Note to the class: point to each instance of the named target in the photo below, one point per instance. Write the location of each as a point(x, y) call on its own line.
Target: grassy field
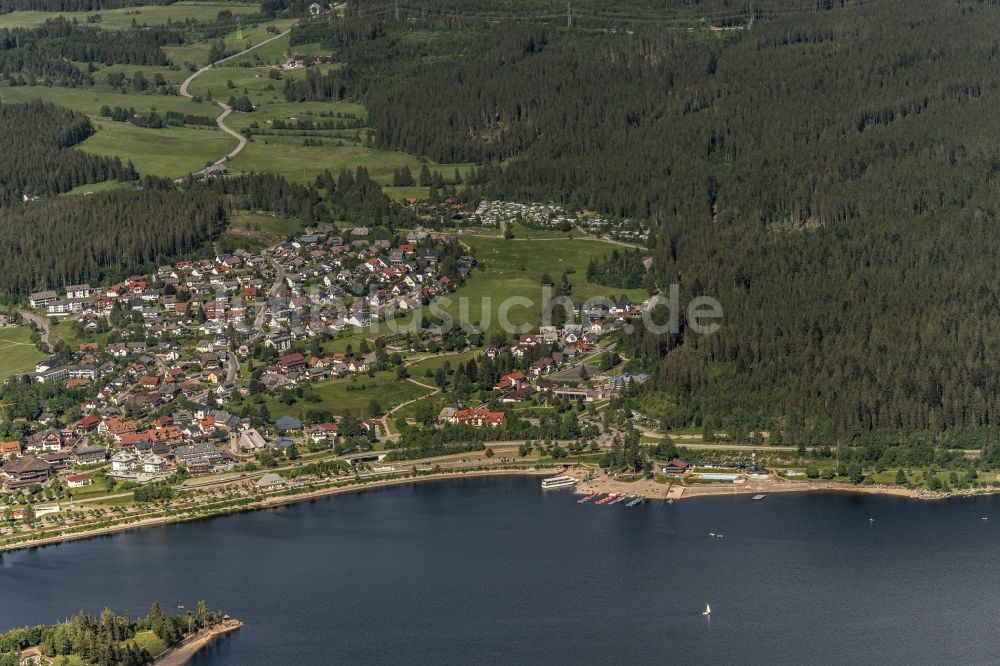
point(96, 187)
point(153, 644)
point(275, 53)
point(528, 233)
point(350, 395)
point(287, 156)
point(173, 151)
point(90, 100)
point(17, 353)
point(119, 19)
point(256, 231)
point(419, 369)
point(515, 268)
point(272, 225)
point(197, 53)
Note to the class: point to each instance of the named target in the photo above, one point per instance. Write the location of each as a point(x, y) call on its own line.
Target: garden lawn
point(350, 395)
point(508, 268)
point(17, 353)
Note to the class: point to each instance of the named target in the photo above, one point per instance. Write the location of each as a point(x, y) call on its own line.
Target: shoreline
point(267, 503)
point(647, 487)
point(182, 653)
point(654, 490)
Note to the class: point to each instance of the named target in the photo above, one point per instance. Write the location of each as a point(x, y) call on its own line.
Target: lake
point(495, 570)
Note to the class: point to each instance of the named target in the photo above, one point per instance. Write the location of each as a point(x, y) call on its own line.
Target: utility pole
point(569, 14)
point(750, 18)
point(396, 3)
point(239, 30)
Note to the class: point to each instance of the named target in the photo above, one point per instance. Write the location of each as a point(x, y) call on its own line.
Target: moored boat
point(559, 482)
point(584, 500)
point(607, 499)
point(637, 501)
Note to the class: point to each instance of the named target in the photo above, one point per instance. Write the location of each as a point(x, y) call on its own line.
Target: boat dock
point(758, 498)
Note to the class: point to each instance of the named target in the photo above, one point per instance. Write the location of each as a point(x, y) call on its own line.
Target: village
point(175, 349)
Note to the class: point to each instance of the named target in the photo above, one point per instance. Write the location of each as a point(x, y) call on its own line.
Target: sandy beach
point(602, 483)
point(182, 653)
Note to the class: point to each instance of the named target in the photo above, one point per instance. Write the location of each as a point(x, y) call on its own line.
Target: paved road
point(232, 369)
point(226, 109)
point(41, 323)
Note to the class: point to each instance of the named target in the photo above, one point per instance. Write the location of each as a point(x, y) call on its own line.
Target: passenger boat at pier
point(559, 482)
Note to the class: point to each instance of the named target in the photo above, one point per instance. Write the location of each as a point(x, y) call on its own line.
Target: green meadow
point(197, 53)
point(349, 395)
point(89, 100)
point(420, 369)
point(119, 19)
point(172, 151)
point(275, 225)
point(17, 352)
point(514, 268)
point(287, 156)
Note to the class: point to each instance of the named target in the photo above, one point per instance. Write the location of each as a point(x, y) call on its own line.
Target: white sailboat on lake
point(708, 611)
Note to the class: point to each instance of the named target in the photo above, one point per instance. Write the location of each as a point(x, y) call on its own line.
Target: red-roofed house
point(292, 361)
point(10, 450)
point(149, 381)
point(511, 380)
point(479, 417)
point(79, 480)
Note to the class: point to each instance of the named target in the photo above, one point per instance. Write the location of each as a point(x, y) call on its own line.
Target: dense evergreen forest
point(47, 51)
point(830, 177)
point(57, 242)
point(7, 6)
point(104, 640)
point(348, 196)
point(46, 162)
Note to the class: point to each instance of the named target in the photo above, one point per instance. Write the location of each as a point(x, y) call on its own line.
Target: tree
point(489, 453)
point(900, 477)
point(202, 614)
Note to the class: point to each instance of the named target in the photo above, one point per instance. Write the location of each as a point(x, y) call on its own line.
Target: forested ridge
point(109, 234)
point(48, 50)
point(7, 6)
point(829, 177)
point(42, 136)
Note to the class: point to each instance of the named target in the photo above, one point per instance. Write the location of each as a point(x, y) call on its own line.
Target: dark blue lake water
point(497, 571)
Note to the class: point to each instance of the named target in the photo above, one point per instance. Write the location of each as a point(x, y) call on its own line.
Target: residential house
point(270, 481)
point(79, 480)
point(26, 471)
point(10, 450)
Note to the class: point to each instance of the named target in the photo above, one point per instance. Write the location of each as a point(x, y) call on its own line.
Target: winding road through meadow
point(226, 109)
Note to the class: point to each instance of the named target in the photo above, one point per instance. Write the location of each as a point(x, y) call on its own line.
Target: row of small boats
point(613, 498)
